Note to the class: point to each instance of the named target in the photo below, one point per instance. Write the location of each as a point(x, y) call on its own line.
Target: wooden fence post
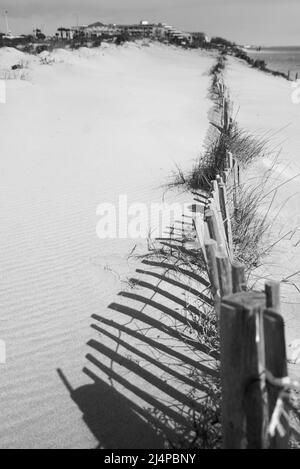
point(244, 396)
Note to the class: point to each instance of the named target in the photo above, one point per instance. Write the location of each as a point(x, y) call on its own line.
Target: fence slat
point(224, 273)
point(215, 206)
point(212, 269)
point(200, 231)
point(229, 159)
point(272, 290)
point(225, 215)
point(213, 227)
point(276, 364)
point(276, 360)
point(238, 277)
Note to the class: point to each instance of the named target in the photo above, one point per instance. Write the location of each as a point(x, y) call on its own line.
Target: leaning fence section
point(253, 350)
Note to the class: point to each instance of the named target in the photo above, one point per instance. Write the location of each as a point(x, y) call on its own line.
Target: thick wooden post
point(244, 396)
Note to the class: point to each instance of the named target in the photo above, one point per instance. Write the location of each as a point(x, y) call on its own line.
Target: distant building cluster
point(144, 29)
point(93, 34)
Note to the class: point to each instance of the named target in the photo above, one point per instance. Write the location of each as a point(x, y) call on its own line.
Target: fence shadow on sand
point(153, 362)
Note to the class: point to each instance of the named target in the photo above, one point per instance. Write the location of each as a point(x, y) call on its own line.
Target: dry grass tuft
point(244, 146)
point(249, 227)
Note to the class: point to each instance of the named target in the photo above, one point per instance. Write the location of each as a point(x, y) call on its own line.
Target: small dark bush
point(261, 64)
point(222, 42)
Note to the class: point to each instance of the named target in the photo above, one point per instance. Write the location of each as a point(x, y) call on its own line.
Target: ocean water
point(283, 59)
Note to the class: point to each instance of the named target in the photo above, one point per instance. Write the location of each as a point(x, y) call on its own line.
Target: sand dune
point(265, 107)
point(91, 126)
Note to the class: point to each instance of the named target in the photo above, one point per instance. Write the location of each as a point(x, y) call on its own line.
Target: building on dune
point(144, 29)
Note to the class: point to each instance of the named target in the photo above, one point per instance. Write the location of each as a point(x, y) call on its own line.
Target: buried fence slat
point(238, 277)
point(215, 186)
point(219, 179)
point(276, 364)
point(212, 269)
point(211, 249)
point(225, 175)
point(221, 234)
point(200, 232)
point(236, 172)
point(272, 290)
point(239, 174)
point(244, 396)
point(225, 215)
point(217, 206)
point(235, 185)
point(223, 111)
point(206, 232)
point(224, 273)
point(226, 115)
point(229, 158)
point(213, 227)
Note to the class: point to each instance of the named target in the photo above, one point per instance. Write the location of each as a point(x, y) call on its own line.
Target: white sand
point(264, 104)
point(93, 125)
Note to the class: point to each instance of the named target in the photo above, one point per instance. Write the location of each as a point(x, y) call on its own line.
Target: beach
point(264, 106)
point(79, 130)
point(282, 59)
point(93, 125)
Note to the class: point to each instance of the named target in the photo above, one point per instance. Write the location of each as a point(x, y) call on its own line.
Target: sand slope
point(265, 106)
point(93, 125)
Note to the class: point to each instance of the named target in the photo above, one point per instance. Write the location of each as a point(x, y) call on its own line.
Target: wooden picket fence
point(253, 351)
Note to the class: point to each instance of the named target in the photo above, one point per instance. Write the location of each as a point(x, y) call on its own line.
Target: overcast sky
point(266, 22)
